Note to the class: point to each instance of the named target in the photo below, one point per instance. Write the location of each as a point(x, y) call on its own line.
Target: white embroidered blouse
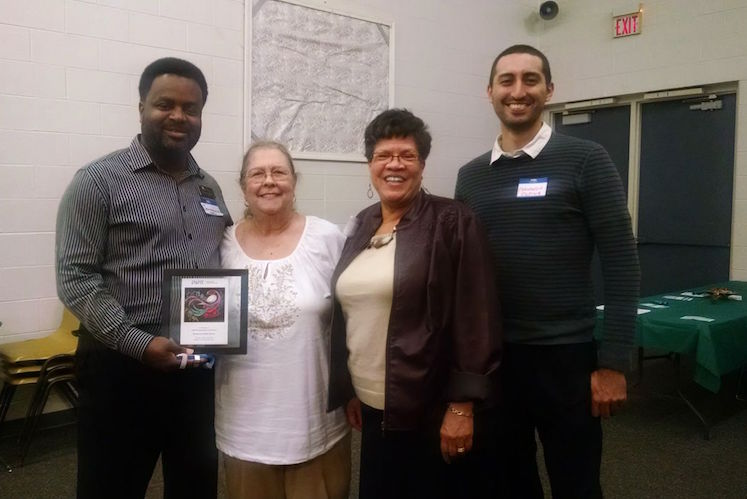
point(271, 404)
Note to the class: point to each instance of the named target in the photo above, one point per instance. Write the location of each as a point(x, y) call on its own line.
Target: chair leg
point(6, 395)
point(5, 398)
point(33, 406)
point(54, 366)
point(31, 422)
point(26, 444)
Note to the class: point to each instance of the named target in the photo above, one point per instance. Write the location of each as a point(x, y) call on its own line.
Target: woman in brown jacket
point(416, 332)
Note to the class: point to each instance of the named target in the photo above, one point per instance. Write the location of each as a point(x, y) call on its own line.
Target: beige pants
point(324, 477)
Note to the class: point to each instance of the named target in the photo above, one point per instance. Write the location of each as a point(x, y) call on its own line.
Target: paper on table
point(654, 305)
point(640, 310)
point(694, 295)
point(678, 298)
point(697, 318)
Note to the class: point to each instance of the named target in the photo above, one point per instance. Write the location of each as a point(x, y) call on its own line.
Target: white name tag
point(211, 207)
point(532, 188)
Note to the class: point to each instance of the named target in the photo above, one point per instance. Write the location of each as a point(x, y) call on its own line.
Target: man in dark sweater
point(547, 200)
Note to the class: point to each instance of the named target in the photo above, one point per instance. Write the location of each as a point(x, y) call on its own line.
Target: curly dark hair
point(399, 123)
point(174, 66)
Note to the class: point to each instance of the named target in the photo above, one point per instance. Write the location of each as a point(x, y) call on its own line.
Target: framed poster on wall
point(317, 78)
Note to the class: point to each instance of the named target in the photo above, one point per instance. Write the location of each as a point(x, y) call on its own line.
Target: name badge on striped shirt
point(532, 188)
point(211, 207)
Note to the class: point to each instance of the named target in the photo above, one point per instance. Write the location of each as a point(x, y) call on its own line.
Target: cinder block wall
point(69, 70)
point(68, 76)
point(68, 94)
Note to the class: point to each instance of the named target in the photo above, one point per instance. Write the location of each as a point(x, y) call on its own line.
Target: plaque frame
point(200, 307)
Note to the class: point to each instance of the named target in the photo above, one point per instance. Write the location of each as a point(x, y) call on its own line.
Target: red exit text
point(629, 24)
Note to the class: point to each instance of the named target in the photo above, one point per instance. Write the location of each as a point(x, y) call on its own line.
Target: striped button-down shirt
point(121, 223)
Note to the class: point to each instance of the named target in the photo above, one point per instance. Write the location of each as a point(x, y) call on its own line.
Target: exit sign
point(626, 25)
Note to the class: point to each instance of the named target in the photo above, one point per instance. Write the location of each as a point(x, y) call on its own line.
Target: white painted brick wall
point(17, 182)
point(16, 42)
point(97, 21)
point(156, 31)
point(50, 181)
point(120, 121)
point(101, 87)
point(221, 128)
point(26, 215)
point(68, 71)
point(33, 148)
point(27, 250)
point(128, 58)
point(85, 148)
point(197, 11)
point(228, 14)
point(147, 6)
point(68, 76)
point(220, 42)
point(42, 14)
point(219, 157)
point(64, 49)
point(28, 79)
point(228, 72)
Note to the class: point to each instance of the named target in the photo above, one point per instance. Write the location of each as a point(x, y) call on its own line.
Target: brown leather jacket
point(444, 337)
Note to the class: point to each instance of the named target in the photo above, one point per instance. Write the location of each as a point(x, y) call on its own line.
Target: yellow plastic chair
point(37, 350)
point(22, 360)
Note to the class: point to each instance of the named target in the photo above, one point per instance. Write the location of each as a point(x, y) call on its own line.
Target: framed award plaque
point(206, 309)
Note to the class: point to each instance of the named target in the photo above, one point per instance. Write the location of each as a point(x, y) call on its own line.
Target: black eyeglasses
point(406, 158)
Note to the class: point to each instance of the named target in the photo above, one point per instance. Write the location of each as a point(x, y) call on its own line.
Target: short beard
point(156, 147)
point(520, 126)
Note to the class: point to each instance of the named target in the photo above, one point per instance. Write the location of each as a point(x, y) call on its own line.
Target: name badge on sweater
point(532, 188)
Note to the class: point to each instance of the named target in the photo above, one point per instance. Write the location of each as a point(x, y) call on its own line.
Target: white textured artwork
point(318, 77)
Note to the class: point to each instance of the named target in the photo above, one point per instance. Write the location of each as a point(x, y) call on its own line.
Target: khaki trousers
point(325, 477)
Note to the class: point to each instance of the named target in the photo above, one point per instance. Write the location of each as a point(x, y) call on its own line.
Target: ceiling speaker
point(548, 10)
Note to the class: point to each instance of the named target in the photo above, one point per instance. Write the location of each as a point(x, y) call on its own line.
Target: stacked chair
point(45, 363)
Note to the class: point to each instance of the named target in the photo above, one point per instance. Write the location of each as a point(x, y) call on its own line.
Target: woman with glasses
point(271, 422)
point(415, 332)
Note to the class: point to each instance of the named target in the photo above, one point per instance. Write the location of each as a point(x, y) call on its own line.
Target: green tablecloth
point(719, 346)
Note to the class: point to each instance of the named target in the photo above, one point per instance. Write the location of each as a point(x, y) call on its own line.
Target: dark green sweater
point(543, 245)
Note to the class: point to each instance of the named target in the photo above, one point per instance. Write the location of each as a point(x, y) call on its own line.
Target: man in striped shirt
point(547, 200)
point(123, 220)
